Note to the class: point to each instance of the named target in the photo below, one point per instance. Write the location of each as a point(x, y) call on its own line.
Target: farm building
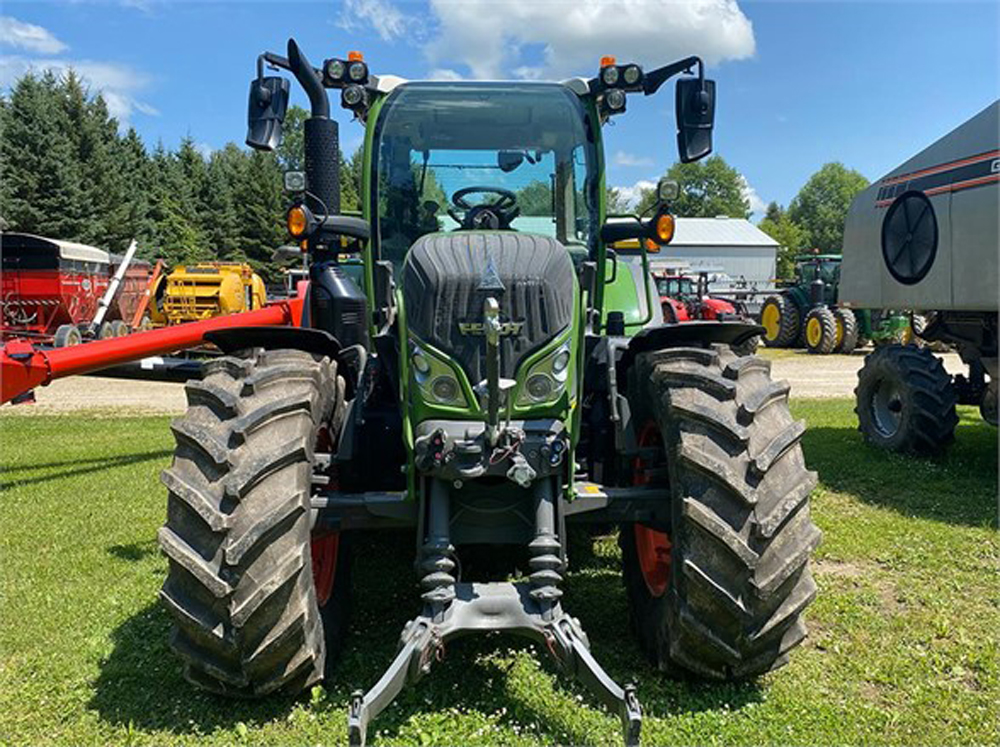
point(731, 247)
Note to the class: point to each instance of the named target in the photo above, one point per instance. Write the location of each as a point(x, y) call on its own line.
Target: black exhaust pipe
point(321, 138)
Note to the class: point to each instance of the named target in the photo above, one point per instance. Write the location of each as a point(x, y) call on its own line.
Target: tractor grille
point(448, 276)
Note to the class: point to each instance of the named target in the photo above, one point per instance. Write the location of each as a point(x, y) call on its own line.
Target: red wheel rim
point(324, 564)
point(652, 546)
point(325, 545)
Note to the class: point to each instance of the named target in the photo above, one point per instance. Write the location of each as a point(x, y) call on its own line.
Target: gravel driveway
point(810, 376)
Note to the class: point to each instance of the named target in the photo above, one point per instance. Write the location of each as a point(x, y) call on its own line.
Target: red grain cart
point(50, 289)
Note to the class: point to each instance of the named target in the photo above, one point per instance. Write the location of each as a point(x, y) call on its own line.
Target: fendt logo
point(479, 328)
point(995, 166)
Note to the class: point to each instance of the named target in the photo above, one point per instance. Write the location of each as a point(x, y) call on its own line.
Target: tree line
point(67, 171)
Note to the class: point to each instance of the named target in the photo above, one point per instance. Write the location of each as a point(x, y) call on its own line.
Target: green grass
point(903, 646)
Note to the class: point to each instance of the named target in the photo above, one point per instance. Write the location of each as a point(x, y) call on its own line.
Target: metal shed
point(733, 246)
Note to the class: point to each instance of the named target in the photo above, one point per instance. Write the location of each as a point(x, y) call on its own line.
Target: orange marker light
point(297, 221)
point(607, 60)
point(664, 228)
point(355, 57)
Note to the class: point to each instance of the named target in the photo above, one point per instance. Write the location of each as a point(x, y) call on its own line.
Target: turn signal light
point(663, 228)
point(355, 56)
point(607, 60)
point(297, 221)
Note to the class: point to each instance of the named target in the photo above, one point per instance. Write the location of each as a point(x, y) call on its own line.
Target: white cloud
point(490, 41)
point(622, 158)
point(387, 20)
point(757, 206)
point(633, 193)
point(118, 84)
point(28, 36)
point(442, 73)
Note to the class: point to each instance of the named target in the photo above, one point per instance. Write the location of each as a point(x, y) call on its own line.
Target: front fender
point(316, 341)
point(695, 333)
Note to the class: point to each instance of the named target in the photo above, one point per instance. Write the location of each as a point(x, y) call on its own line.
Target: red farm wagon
point(50, 290)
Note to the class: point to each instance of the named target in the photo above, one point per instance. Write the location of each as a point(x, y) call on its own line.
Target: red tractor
point(686, 299)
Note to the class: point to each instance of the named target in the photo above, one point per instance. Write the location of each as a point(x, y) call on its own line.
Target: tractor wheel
point(906, 400)
point(720, 591)
point(146, 324)
point(105, 331)
point(780, 318)
point(821, 331)
point(748, 346)
point(66, 336)
point(118, 328)
point(847, 330)
point(246, 580)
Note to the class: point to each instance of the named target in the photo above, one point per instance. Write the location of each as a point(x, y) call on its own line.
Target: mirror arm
point(656, 78)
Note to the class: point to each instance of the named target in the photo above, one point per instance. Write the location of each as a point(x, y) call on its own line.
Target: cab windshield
point(459, 156)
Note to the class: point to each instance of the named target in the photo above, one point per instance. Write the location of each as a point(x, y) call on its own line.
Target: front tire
point(720, 591)
point(820, 331)
point(239, 585)
point(905, 400)
point(780, 318)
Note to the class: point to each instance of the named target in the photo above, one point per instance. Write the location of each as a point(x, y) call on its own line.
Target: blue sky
point(799, 83)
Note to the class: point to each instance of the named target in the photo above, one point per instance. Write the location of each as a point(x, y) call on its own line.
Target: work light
point(358, 71)
point(615, 99)
point(335, 70)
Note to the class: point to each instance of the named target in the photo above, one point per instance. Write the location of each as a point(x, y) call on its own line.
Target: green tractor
point(807, 315)
point(499, 374)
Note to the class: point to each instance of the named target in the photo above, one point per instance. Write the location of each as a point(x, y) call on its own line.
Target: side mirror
point(695, 118)
point(266, 111)
point(508, 160)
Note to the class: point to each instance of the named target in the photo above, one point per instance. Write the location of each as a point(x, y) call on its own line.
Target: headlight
point(547, 378)
point(436, 379)
point(609, 75)
point(445, 389)
point(632, 74)
point(539, 387)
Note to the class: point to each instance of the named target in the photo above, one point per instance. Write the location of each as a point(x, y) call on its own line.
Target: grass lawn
point(903, 646)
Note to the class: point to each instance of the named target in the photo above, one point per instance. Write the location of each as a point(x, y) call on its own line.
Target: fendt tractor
point(925, 237)
point(486, 385)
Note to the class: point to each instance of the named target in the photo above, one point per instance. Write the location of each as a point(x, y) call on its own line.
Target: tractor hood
point(448, 276)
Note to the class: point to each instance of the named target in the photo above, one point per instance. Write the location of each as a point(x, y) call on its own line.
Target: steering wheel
point(485, 216)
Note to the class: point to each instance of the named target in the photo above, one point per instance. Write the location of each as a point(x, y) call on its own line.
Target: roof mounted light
point(615, 100)
point(609, 75)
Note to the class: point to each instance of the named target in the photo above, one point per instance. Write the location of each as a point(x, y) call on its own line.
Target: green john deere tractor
point(806, 314)
point(499, 374)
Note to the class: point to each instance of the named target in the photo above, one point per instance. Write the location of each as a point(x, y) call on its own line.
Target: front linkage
point(528, 609)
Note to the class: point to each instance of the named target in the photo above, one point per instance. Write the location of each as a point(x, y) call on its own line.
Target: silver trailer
point(925, 237)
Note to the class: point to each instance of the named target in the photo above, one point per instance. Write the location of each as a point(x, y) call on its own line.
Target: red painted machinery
point(24, 367)
point(50, 290)
point(686, 299)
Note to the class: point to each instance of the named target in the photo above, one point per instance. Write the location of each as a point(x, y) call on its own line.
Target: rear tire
point(728, 603)
point(67, 335)
point(780, 318)
point(239, 585)
point(848, 326)
point(820, 331)
point(905, 400)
